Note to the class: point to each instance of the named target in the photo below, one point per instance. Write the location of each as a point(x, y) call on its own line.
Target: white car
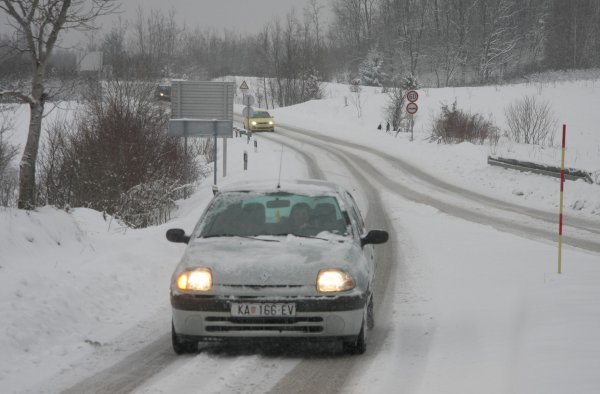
point(272, 261)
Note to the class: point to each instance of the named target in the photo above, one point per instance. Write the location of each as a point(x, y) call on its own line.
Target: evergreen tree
point(409, 82)
point(312, 87)
point(371, 69)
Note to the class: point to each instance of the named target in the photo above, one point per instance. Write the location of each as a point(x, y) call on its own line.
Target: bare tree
point(451, 38)
point(356, 98)
point(498, 36)
point(114, 49)
point(40, 23)
point(413, 17)
point(313, 11)
point(353, 26)
point(530, 121)
point(156, 39)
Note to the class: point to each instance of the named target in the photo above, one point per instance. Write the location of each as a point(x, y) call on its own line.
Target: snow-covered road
point(468, 299)
point(415, 325)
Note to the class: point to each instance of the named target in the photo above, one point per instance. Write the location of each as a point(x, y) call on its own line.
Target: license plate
point(263, 310)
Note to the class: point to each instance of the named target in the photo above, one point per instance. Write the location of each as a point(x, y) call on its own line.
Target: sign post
point(412, 96)
point(202, 109)
point(412, 109)
point(244, 88)
point(562, 188)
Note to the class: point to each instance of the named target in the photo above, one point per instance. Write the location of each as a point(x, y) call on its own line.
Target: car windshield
point(261, 114)
point(273, 214)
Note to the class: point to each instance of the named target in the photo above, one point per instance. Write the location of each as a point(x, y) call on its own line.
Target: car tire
point(370, 314)
point(359, 346)
point(181, 346)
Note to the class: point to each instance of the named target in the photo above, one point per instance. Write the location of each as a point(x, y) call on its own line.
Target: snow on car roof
point(299, 186)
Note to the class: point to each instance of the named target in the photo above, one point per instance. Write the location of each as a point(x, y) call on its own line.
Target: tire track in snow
point(338, 374)
point(527, 222)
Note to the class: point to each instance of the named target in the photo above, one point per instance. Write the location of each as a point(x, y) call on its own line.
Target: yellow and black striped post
point(562, 189)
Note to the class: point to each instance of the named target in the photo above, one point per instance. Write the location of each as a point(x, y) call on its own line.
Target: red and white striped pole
point(562, 189)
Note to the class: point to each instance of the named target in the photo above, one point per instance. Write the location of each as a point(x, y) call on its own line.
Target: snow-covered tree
point(371, 69)
point(409, 82)
point(312, 85)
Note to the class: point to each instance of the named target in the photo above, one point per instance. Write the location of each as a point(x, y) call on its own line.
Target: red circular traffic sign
point(412, 96)
point(412, 108)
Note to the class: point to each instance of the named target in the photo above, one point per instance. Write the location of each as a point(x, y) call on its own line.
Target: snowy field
point(79, 291)
point(574, 103)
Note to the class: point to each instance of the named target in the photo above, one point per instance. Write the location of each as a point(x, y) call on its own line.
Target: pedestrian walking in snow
point(379, 127)
point(387, 128)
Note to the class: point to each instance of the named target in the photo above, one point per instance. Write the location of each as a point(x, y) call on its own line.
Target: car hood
point(291, 261)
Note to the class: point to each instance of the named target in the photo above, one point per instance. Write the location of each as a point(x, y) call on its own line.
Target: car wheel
point(359, 346)
point(182, 346)
point(370, 314)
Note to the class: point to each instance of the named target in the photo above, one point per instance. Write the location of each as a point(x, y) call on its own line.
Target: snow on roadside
point(484, 311)
point(465, 164)
point(71, 283)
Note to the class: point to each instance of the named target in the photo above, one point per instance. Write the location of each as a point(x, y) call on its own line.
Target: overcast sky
point(244, 16)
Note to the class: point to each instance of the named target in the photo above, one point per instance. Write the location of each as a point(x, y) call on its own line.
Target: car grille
point(301, 324)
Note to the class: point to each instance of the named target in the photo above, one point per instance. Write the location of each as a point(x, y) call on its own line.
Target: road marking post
point(562, 188)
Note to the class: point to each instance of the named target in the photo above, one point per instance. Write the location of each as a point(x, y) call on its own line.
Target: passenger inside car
point(324, 217)
point(300, 219)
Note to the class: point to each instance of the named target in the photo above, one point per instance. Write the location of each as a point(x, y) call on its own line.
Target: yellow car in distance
point(260, 120)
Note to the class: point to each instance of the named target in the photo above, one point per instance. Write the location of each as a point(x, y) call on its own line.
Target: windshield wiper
point(255, 237)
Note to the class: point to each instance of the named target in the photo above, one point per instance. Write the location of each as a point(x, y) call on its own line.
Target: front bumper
point(208, 318)
point(262, 127)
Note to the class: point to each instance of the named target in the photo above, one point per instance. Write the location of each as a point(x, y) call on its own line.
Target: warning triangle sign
point(244, 86)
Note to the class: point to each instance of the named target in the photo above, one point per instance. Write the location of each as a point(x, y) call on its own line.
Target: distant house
point(93, 63)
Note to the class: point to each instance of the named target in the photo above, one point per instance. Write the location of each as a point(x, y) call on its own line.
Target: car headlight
point(271, 122)
point(199, 279)
point(332, 279)
point(253, 123)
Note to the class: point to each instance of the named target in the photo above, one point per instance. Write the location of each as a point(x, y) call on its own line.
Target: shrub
point(530, 121)
point(118, 158)
point(395, 106)
point(396, 100)
point(55, 175)
point(454, 126)
point(148, 203)
point(356, 98)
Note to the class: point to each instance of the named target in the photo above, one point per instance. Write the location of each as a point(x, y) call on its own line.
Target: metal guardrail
point(570, 173)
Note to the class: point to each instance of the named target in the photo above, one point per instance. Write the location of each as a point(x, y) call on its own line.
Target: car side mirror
point(177, 235)
point(375, 237)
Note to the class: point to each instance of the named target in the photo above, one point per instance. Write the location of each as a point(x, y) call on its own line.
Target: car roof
point(299, 186)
